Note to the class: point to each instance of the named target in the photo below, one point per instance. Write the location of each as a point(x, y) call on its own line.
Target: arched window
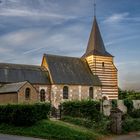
point(91, 92)
point(42, 95)
point(65, 92)
point(104, 98)
point(27, 93)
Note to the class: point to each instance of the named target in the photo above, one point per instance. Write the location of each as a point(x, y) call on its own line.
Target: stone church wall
point(47, 89)
point(33, 94)
point(76, 92)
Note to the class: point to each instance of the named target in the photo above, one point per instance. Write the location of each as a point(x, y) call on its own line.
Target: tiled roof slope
point(11, 88)
point(70, 70)
point(12, 73)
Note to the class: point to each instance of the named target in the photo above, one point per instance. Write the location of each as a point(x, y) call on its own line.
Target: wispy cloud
point(32, 14)
point(122, 39)
point(116, 18)
point(20, 37)
point(36, 41)
point(127, 63)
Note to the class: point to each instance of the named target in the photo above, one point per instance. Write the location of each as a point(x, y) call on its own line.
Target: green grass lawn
point(52, 130)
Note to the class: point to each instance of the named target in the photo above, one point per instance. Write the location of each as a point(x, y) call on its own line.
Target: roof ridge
point(62, 56)
point(20, 64)
point(16, 83)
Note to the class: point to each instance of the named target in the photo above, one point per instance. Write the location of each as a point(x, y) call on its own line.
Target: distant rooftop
point(11, 88)
point(10, 73)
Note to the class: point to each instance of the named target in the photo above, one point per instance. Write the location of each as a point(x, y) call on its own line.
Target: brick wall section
point(76, 92)
point(33, 94)
point(8, 98)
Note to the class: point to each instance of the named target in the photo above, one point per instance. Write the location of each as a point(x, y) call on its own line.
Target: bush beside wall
point(114, 103)
point(135, 113)
point(131, 124)
point(23, 115)
point(129, 104)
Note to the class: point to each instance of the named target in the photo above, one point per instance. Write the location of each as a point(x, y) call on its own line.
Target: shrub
point(135, 113)
point(131, 124)
point(129, 94)
point(114, 103)
point(129, 104)
point(88, 109)
point(103, 126)
point(23, 115)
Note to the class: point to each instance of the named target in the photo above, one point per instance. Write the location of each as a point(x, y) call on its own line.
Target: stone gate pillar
point(116, 120)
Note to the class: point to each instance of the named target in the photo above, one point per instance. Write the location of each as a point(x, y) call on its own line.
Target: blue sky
point(30, 28)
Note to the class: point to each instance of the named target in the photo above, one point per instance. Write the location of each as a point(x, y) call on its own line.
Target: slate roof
point(70, 70)
point(12, 88)
point(12, 73)
point(95, 44)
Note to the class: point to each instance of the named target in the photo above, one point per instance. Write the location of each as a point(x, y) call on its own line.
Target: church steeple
point(101, 62)
point(95, 44)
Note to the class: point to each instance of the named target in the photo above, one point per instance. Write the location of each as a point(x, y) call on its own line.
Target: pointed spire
point(96, 44)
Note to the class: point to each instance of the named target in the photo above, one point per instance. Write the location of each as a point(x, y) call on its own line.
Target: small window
point(42, 95)
point(91, 93)
point(65, 92)
point(104, 98)
point(103, 64)
point(27, 93)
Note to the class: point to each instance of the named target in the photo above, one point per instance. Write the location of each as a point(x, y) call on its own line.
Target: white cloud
point(4, 50)
point(115, 18)
point(127, 63)
point(122, 39)
point(32, 14)
point(20, 37)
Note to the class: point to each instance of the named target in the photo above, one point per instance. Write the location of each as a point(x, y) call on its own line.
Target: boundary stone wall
point(107, 105)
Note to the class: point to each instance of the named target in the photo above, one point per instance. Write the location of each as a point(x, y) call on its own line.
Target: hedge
point(135, 113)
point(88, 109)
point(23, 115)
point(114, 103)
point(131, 124)
point(129, 104)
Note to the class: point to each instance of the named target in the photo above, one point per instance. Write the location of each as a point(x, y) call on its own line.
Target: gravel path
point(132, 136)
point(10, 137)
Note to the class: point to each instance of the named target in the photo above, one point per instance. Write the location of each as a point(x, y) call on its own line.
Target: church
point(62, 78)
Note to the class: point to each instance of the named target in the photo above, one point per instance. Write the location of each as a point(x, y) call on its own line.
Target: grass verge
point(99, 127)
point(52, 130)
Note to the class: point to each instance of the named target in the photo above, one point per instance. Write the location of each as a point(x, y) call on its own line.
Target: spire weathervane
point(94, 8)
